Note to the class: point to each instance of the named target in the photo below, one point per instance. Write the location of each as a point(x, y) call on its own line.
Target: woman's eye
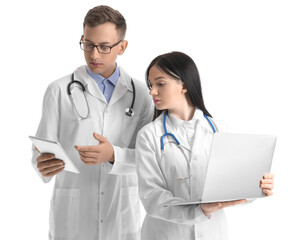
point(161, 84)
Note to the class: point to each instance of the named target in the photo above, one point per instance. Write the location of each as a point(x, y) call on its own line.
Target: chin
point(160, 108)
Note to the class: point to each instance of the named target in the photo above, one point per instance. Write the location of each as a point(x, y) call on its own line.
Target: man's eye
point(88, 46)
point(104, 47)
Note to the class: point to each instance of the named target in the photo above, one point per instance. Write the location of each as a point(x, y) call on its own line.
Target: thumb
point(99, 137)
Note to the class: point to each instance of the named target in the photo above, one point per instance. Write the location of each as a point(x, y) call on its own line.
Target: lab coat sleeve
point(124, 163)
point(49, 124)
point(153, 190)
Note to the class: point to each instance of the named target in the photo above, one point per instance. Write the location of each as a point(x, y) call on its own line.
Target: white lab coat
point(155, 190)
point(102, 201)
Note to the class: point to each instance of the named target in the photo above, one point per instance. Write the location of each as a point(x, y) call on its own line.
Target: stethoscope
point(128, 111)
point(182, 148)
point(173, 136)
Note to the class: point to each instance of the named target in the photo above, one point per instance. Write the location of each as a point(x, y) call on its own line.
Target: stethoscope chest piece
point(129, 112)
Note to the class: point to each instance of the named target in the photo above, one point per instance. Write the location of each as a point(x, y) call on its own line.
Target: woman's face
point(167, 92)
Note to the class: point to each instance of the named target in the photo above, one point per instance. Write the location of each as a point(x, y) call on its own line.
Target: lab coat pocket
point(129, 210)
point(64, 213)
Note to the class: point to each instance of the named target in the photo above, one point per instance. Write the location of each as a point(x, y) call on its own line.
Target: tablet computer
point(47, 146)
point(236, 164)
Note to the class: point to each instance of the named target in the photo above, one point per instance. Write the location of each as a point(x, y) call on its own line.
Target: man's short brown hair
point(103, 14)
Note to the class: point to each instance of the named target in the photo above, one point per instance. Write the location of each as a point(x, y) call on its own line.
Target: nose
point(153, 91)
point(94, 53)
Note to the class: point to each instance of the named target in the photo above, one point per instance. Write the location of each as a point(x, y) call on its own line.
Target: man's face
point(105, 35)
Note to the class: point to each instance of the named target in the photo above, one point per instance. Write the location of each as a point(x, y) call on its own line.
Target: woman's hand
point(209, 208)
point(267, 184)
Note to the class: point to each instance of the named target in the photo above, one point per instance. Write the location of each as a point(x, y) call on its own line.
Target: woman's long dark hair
point(181, 67)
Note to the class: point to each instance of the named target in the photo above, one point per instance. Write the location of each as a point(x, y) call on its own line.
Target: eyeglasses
point(105, 49)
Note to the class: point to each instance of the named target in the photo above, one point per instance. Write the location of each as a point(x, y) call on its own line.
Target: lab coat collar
point(123, 84)
point(99, 78)
point(80, 74)
point(173, 121)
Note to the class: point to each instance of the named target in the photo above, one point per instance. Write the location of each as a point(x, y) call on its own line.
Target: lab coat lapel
point(90, 85)
point(121, 87)
point(119, 90)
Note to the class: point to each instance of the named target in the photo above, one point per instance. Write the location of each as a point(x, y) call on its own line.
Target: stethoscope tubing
point(172, 135)
point(128, 111)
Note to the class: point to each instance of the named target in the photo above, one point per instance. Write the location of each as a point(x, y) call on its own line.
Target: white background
point(249, 55)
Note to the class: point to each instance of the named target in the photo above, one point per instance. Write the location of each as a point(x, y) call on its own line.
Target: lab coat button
point(102, 193)
point(101, 220)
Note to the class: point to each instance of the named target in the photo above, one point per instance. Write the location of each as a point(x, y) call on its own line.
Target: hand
point(209, 208)
point(267, 184)
point(48, 165)
point(97, 154)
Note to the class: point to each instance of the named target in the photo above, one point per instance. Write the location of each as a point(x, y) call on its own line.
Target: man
point(101, 202)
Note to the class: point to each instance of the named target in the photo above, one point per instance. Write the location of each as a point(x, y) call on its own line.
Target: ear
point(123, 47)
point(184, 88)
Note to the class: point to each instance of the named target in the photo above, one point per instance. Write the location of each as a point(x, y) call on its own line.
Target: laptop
point(237, 163)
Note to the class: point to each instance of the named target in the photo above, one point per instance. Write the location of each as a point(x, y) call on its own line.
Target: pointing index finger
point(86, 148)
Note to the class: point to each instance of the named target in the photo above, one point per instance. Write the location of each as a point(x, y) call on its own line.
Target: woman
point(167, 173)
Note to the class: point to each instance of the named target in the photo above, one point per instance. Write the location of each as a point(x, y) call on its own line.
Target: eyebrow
point(102, 43)
point(159, 78)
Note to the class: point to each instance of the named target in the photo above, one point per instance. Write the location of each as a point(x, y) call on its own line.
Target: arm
point(154, 192)
point(118, 160)
point(48, 128)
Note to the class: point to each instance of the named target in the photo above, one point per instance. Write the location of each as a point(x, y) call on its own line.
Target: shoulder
point(62, 83)
point(219, 125)
point(139, 84)
point(147, 130)
point(153, 128)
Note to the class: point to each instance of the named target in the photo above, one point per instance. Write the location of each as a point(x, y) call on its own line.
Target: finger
point(268, 175)
point(267, 186)
point(45, 156)
point(50, 174)
point(268, 192)
point(50, 170)
point(89, 154)
point(88, 161)
point(50, 163)
point(211, 206)
point(91, 163)
point(265, 181)
point(94, 148)
point(232, 203)
point(100, 138)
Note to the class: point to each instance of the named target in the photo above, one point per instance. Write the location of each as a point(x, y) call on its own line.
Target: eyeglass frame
point(98, 45)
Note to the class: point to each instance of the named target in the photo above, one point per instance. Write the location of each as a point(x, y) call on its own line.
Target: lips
point(95, 64)
point(156, 101)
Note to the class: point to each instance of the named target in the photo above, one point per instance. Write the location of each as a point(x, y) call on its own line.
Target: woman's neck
point(185, 112)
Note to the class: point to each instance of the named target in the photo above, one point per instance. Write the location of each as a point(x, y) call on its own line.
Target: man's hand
point(48, 165)
point(97, 154)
